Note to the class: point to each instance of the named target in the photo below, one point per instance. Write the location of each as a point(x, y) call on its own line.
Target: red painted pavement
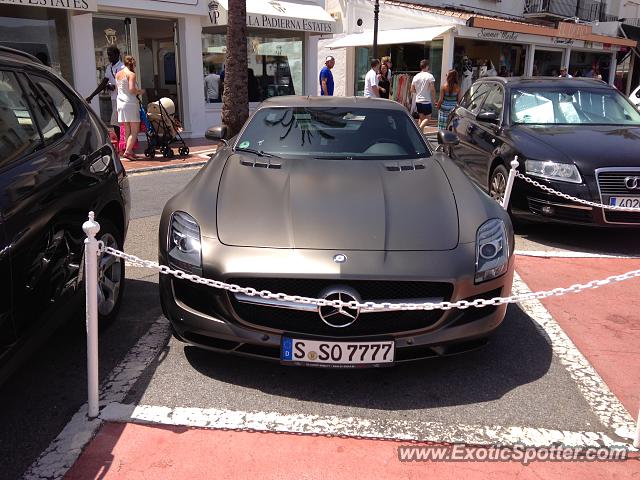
point(603, 323)
point(196, 146)
point(132, 452)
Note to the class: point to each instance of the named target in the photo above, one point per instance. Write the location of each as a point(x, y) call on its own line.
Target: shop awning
point(391, 37)
point(278, 15)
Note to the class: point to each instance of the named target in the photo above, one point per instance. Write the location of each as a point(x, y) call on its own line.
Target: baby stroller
point(163, 129)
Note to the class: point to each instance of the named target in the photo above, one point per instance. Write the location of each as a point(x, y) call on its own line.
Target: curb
point(133, 171)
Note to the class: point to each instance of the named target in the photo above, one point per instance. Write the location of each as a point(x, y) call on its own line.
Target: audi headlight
point(492, 250)
point(563, 172)
point(184, 242)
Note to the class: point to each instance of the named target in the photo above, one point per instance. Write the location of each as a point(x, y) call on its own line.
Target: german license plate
point(336, 353)
point(628, 202)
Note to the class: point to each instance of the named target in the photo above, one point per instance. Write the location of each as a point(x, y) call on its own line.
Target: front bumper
point(533, 204)
point(207, 318)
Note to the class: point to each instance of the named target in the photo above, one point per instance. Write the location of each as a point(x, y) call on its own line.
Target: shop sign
point(280, 19)
point(500, 35)
point(565, 42)
point(83, 5)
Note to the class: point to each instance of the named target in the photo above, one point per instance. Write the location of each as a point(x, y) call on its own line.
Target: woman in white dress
point(127, 103)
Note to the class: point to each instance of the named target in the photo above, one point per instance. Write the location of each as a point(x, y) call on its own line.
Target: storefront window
point(474, 59)
point(275, 64)
point(42, 32)
point(590, 64)
point(547, 63)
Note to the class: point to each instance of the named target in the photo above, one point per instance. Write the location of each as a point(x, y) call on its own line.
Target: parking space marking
point(67, 446)
point(352, 427)
point(600, 398)
point(65, 449)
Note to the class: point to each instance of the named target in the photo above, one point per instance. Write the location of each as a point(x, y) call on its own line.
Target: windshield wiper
point(259, 153)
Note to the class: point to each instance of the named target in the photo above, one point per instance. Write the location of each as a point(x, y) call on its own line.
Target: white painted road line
point(600, 398)
point(568, 254)
point(61, 454)
point(352, 427)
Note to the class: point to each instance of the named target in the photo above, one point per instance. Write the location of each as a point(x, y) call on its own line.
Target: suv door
point(7, 330)
point(486, 136)
point(464, 124)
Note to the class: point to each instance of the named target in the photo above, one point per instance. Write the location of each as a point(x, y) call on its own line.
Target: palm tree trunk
point(235, 99)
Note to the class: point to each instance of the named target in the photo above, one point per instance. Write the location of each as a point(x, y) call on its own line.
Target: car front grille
point(309, 322)
point(612, 183)
point(568, 212)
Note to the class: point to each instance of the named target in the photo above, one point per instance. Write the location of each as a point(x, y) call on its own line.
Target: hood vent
point(261, 163)
point(403, 166)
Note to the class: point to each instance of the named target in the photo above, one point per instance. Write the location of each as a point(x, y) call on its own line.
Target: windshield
point(344, 133)
point(571, 106)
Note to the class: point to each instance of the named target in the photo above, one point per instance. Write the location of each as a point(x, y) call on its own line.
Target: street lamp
point(376, 10)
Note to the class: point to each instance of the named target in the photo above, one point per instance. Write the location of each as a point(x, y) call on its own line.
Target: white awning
point(278, 15)
point(390, 37)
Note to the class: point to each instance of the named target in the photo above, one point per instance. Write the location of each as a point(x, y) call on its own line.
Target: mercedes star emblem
point(339, 258)
point(343, 316)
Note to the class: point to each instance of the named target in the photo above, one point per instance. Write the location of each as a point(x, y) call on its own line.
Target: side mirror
point(445, 137)
point(489, 117)
point(217, 134)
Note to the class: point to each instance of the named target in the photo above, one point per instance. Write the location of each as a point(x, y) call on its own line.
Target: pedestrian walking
point(387, 61)
point(326, 77)
point(127, 104)
point(450, 93)
point(384, 84)
point(371, 88)
point(115, 65)
point(423, 87)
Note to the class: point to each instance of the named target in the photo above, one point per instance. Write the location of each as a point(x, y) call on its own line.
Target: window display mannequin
point(467, 74)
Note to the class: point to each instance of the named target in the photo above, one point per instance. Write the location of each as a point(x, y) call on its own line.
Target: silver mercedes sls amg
point(333, 198)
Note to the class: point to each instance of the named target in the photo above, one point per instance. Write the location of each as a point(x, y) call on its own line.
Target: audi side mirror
point(489, 117)
point(445, 137)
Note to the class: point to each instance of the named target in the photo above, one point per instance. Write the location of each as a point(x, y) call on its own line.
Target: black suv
point(576, 135)
point(57, 163)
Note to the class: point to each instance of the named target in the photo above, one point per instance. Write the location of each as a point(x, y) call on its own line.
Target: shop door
point(158, 70)
point(547, 63)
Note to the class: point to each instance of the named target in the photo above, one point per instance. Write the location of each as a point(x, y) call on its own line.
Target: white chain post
point(91, 228)
point(509, 187)
point(636, 440)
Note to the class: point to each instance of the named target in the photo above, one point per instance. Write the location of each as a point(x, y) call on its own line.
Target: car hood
point(336, 205)
point(588, 146)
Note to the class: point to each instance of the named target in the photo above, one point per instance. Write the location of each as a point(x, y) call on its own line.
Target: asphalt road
point(516, 380)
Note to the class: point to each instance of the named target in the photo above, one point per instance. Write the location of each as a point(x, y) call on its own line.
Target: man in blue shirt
point(326, 77)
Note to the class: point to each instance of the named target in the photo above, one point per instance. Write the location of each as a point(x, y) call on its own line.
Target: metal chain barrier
point(367, 306)
point(574, 199)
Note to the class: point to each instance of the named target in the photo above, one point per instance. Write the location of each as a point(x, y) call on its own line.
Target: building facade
point(177, 44)
point(478, 39)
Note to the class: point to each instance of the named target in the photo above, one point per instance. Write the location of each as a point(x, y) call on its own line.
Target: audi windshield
point(335, 133)
point(571, 106)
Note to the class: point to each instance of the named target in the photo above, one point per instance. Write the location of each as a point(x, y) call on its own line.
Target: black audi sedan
point(57, 163)
point(578, 136)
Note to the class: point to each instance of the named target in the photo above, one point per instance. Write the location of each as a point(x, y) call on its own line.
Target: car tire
point(111, 274)
point(498, 183)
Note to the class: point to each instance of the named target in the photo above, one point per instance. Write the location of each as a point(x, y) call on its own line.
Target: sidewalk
point(199, 151)
point(603, 323)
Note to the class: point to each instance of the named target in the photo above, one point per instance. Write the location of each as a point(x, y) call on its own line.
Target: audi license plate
point(336, 354)
point(629, 202)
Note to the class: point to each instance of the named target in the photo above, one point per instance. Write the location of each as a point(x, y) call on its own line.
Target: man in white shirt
point(115, 65)
point(564, 73)
point(371, 88)
point(212, 86)
point(423, 87)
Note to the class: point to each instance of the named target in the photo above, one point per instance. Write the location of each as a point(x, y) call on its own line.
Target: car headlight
point(564, 172)
point(184, 242)
point(492, 250)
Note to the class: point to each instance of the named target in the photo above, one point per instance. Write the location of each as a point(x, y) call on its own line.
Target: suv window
point(494, 102)
point(474, 97)
point(56, 98)
point(50, 129)
point(18, 131)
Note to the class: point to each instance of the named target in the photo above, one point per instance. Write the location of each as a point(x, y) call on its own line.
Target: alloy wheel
point(109, 278)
